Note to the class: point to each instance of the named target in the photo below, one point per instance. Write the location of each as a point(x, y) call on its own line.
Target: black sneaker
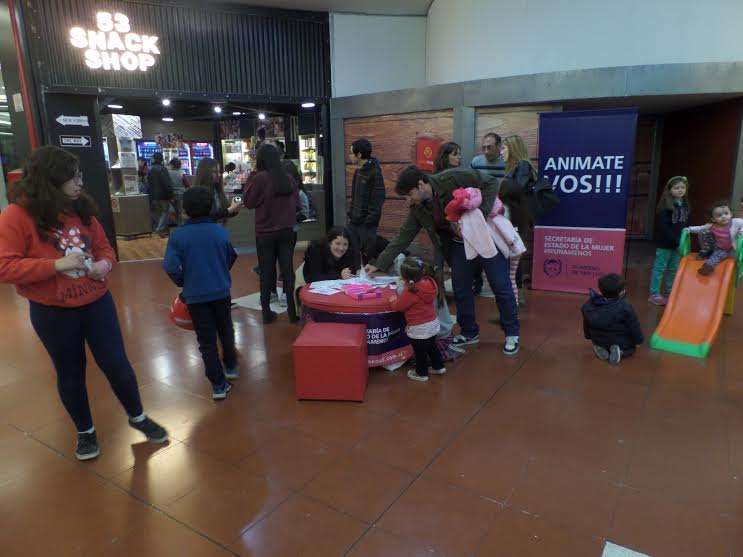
point(87, 446)
point(155, 432)
point(219, 392)
point(461, 340)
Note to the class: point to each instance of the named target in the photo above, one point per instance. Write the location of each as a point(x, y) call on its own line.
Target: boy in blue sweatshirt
point(610, 322)
point(198, 258)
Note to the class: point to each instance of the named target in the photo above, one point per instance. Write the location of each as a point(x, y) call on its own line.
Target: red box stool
point(330, 362)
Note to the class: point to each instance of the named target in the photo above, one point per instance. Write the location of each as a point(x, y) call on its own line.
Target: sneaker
point(461, 340)
point(87, 446)
point(220, 392)
point(601, 352)
point(457, 349)
point(657, 299)
point(155, 432)
point(706, 270)
point(232, 373)
point(415, 377)
point(511, 346)
point(615, 354)
point(282, 300)
point(274, 298)
point(270, 318)
point(441, 371)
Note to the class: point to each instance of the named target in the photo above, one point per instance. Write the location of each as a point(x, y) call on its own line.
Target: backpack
point(541, 197)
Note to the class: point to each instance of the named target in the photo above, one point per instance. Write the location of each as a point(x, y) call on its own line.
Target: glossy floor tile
point(551, 452)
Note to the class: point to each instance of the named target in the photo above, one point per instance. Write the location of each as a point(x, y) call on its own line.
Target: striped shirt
point(495, 168)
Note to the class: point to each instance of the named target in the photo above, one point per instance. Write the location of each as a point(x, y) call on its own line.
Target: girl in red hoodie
point(55, 251)
point(416, 302)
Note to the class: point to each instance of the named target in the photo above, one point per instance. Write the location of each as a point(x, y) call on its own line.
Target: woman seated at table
point(332, 258)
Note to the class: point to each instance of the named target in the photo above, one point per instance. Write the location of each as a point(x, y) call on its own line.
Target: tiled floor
point(549, 453)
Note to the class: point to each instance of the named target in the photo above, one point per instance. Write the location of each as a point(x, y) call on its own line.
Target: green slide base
point(683, 348)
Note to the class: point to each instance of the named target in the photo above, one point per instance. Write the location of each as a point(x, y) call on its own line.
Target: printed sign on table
point(587, 156)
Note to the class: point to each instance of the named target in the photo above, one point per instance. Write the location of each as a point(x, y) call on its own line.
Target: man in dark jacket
point(610, 322)
point(161, 193)
point(367, 198)
point(428, 197)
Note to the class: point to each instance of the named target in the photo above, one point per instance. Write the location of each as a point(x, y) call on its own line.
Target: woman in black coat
point(330, 259)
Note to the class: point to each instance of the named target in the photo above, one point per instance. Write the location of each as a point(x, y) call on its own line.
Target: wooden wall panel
point(393, 139)
point(523, 121)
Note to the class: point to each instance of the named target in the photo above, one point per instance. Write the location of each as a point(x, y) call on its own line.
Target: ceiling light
point(116, 106)
point(261, 116)
point(167, 119)
point(166, 102)
point(218, 109)
point(236, 113)
point(308, 105)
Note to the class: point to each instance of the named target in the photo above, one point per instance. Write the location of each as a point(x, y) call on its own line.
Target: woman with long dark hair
point(332, 258)
point(273, 195)
point(449, 156)
point(209, 175)
point(55, 251)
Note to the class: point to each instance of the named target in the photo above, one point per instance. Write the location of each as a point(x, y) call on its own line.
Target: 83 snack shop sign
point(114, 46)
point(587, 157)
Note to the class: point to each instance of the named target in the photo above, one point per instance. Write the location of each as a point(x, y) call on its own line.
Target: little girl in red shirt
point(416, 302)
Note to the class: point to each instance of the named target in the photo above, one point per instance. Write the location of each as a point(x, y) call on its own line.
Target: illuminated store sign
point(113, 46)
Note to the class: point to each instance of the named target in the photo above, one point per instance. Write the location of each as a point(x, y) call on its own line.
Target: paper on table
point(324, 290)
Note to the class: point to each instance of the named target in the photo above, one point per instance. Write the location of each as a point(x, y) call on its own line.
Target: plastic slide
point(694, 311)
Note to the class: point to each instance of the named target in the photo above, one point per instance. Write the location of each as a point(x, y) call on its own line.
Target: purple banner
point(385, 333)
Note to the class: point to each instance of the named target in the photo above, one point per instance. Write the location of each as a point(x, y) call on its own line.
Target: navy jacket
point(608, 321)
point(199, 258)
point(669, 224)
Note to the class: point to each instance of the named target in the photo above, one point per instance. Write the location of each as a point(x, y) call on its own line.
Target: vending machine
point(145, 149)
point(200, 150)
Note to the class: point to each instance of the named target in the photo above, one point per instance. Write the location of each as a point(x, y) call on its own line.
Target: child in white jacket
point(718, 237)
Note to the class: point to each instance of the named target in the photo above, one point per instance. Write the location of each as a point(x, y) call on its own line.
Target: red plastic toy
point(179, 314)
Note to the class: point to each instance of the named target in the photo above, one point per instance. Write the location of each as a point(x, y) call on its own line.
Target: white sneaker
point(441, 371)
point(415, 377)
point(615, 354)
point(282, 300)
point(511, 346)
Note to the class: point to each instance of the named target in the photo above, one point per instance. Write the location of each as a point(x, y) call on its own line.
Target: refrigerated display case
point(200, 150)
point(310, 164)
point(233, 150)
point(183, 153)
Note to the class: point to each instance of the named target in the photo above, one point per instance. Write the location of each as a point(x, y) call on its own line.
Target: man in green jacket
point(428, 196)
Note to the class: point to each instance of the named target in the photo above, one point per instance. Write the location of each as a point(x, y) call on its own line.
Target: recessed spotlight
point(166, 102)
point(236, 113)
point(308, 105)
point(167, 119)
point(218, 109)
point(261, 116)
point(115, 106)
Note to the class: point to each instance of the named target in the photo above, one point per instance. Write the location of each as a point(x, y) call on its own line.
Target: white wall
point(376, 53)
point(481, 39)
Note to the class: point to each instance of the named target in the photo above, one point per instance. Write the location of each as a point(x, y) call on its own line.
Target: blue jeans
point(497, 271)
point(64, 332)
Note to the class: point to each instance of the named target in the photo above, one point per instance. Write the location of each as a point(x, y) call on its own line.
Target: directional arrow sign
point(73, 121)
point(74, 140)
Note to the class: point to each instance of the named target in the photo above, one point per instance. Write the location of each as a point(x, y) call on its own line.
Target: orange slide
point(694, 311)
